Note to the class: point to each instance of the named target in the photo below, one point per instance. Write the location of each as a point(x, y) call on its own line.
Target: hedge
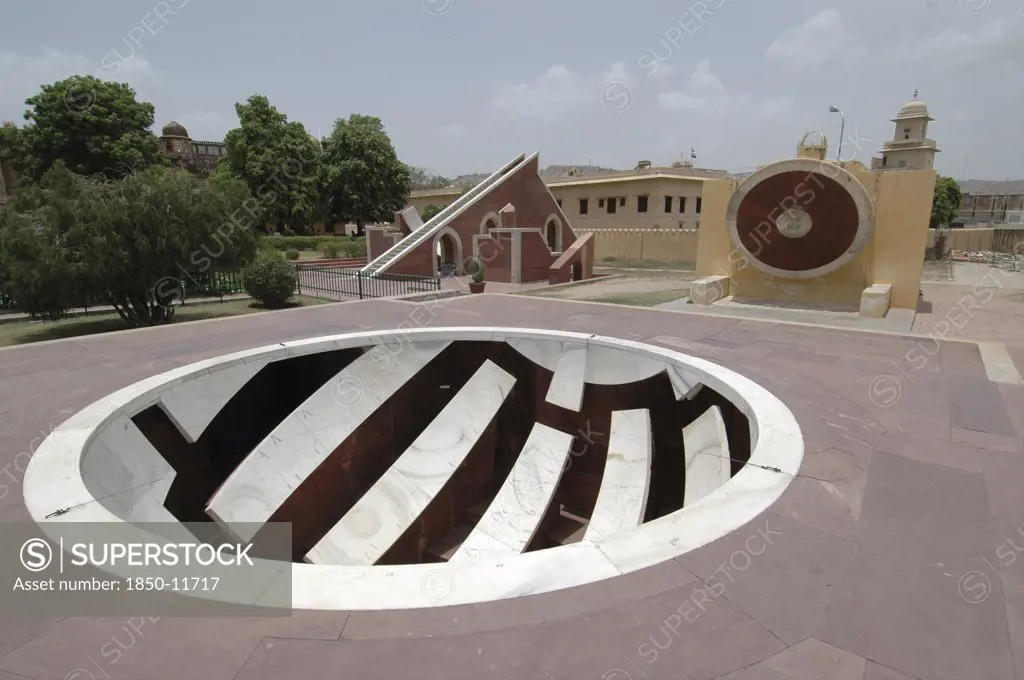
point(348, 246)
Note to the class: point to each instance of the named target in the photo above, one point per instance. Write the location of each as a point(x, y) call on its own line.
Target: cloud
point(997, 39)
point(553, 94)
point(823, 38)
point(704, 93)
point(205, 125)
point(21, 76)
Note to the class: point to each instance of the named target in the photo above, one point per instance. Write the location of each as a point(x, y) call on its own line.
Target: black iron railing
point(339, 282)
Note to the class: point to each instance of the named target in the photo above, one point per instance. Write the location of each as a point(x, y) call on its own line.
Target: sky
point(463, 86)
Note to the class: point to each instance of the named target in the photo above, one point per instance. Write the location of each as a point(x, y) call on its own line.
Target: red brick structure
point(196, 156)
point(510, 221)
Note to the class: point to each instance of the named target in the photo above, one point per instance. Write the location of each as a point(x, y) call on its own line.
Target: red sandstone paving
point(890, 511)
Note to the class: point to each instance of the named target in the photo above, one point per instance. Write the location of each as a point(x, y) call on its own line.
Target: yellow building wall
point(440, 200)
point(627, 216)
point(895, 254)
point(659, 245)
point(903, 209)
point(715, 254)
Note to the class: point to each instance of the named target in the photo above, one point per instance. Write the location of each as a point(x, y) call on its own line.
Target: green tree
point(946, 202)
point(133, 243)
point(280, 163)
point(363, 179)
point(430, 211)
point(421, 178)
point(94, 126)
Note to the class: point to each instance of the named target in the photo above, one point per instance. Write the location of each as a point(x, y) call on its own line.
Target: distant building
point(991, 209)
point(197, 156)
point(910, 148)
point(647, 197)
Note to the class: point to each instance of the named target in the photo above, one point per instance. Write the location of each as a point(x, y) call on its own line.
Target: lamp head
point(833, 109)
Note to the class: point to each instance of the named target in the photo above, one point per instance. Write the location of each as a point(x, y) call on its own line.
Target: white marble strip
point(706, 452)
point(608, 366)
point(622, 498)
point(193, 405)
point(999, 366)
point(513, 517)
point(303, 440)
point(544, 353)
point(389, 508)
point(128, 474)
point(566, 389)
point(684, 383)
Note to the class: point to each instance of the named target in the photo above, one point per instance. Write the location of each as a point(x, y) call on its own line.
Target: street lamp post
point(842, 131)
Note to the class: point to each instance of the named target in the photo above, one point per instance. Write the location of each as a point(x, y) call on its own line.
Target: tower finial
point(915, 93)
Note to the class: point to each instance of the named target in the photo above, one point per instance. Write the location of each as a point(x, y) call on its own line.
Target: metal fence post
point(359, 276)
point(298, 280)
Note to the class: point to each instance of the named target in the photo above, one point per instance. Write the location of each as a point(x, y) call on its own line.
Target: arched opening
point(577, 271)
point(447, 255)
point(490, 221)
point(551, 235)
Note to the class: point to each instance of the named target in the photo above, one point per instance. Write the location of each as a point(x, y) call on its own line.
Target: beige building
point(646, 197)
point(910, 148)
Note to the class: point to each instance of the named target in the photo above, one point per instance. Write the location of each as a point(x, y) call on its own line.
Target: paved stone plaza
point(892, 556)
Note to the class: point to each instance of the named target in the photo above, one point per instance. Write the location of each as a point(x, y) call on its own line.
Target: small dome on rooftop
point(174, 129)
point(915, 108)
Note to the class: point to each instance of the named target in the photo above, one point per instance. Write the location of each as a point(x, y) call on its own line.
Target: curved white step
point(622, 498)
point(388, 509)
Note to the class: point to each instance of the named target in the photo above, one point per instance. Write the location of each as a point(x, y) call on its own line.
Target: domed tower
point(910, 148)
point(175, 142)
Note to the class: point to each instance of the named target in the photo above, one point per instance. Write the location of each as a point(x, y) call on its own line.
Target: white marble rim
point(54, 484)
point(846, 179)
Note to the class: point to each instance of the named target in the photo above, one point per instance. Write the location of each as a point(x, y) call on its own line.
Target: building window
point(699, 201)
point(641, 204)
point(885, 161)
point(682, 204)
point(584, 206)
point(612, 205)
point(903, 164)
point(696, 224)
point(600, 203)
point(668, 204)
point(622, 202)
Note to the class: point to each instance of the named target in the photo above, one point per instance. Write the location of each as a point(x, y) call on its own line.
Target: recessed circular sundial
point(431, 467)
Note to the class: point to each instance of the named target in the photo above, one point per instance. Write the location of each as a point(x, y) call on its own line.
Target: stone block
point(874, 301)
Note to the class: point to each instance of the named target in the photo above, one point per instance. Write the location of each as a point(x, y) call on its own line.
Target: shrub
point(429, 212)
point(477, 270)
point(291, 254)
point(270, 279)
point(330, 249)
point(130, 243)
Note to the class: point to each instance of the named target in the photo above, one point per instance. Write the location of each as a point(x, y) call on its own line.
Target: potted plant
point(476, 270)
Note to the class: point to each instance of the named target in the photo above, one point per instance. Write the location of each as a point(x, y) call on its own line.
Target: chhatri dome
point(915, 108)
point(910, 147)
point(175, 129)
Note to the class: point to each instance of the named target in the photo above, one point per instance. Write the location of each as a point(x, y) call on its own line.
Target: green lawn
point(640, 299)
point(21, 332)
point(644, 264)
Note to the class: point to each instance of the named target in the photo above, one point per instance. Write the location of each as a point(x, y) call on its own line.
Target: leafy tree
point(946, 202)
point(421, 178)
point(94, 126)
point(430, 211)
point(363, 178)
point(136, 243)
point(279, 161)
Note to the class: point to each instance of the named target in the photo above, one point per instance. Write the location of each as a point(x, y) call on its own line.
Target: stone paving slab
point(892, 563)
